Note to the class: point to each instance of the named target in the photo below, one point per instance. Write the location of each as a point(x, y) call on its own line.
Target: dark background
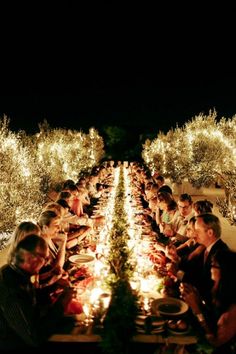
point(141, 69)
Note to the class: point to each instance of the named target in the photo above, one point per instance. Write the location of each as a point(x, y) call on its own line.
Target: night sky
point(139, 103)
point(143, 74)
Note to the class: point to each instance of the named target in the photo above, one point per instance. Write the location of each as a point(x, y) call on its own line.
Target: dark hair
point(165, 188)
point(68, 183)
point(70, 188)
point(203, 206)
point(29, 243)
point(64, 195)
point(168, 199)
point(226, 292)
point(185, 197)
point(63, 203)
point(192, 220)
point(159, 178)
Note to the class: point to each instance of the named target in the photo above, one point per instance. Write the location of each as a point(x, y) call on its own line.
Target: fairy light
point(185, 152)
point(30, 167)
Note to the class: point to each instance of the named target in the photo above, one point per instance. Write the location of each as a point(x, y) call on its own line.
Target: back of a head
point(63, 203)
point(154, 188)
point(70, 189)
point(203, 206)
point(165, 188)
point(25, 228)
point(226, 260)
point(64, 195)
point(68, 183)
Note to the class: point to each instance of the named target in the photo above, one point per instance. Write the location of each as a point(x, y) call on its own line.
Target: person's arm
point(183, 246)
point(196, 252)
point(226, 328)
point(19, 316)
point(60, 240)
point(191, 296)
point(83, 230)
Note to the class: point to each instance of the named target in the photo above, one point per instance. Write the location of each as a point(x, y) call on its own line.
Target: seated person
point(179, 223)
point(202, 207)
point(49, 223)
point(24, 324)
point(199, 207)
point(160, 180)
point(76, 205)
point(92, 186)
point(21, 231)
point(190, 249)
point(70, 225)
point(165, 211)
point(218, 320)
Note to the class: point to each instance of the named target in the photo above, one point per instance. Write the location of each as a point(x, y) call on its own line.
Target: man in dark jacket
point(208, 233)
point(22, 324)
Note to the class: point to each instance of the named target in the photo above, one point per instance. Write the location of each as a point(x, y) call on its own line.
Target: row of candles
point(144, 281)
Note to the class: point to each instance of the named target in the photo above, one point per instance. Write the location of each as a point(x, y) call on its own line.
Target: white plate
point(169, 306)
point(81, 258)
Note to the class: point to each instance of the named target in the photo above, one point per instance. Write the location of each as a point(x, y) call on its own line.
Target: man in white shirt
point(179, 224)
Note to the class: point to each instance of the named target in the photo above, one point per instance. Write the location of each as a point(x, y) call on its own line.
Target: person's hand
point(168, 232)
point(62, 236)
point(191, 296)
point(171, 253)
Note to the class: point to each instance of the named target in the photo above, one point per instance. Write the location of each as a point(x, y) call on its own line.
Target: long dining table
point(88, 268)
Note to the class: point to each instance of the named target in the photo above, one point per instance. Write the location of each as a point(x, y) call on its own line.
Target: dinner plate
point(153, 331)
point(81, 258)
point(169, 306)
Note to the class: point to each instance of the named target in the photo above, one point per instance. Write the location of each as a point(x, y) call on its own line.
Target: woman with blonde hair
point(54, 206)
point(22, 230)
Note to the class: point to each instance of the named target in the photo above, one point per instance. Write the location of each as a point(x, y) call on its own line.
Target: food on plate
point(80, 274)
point(177, 325)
